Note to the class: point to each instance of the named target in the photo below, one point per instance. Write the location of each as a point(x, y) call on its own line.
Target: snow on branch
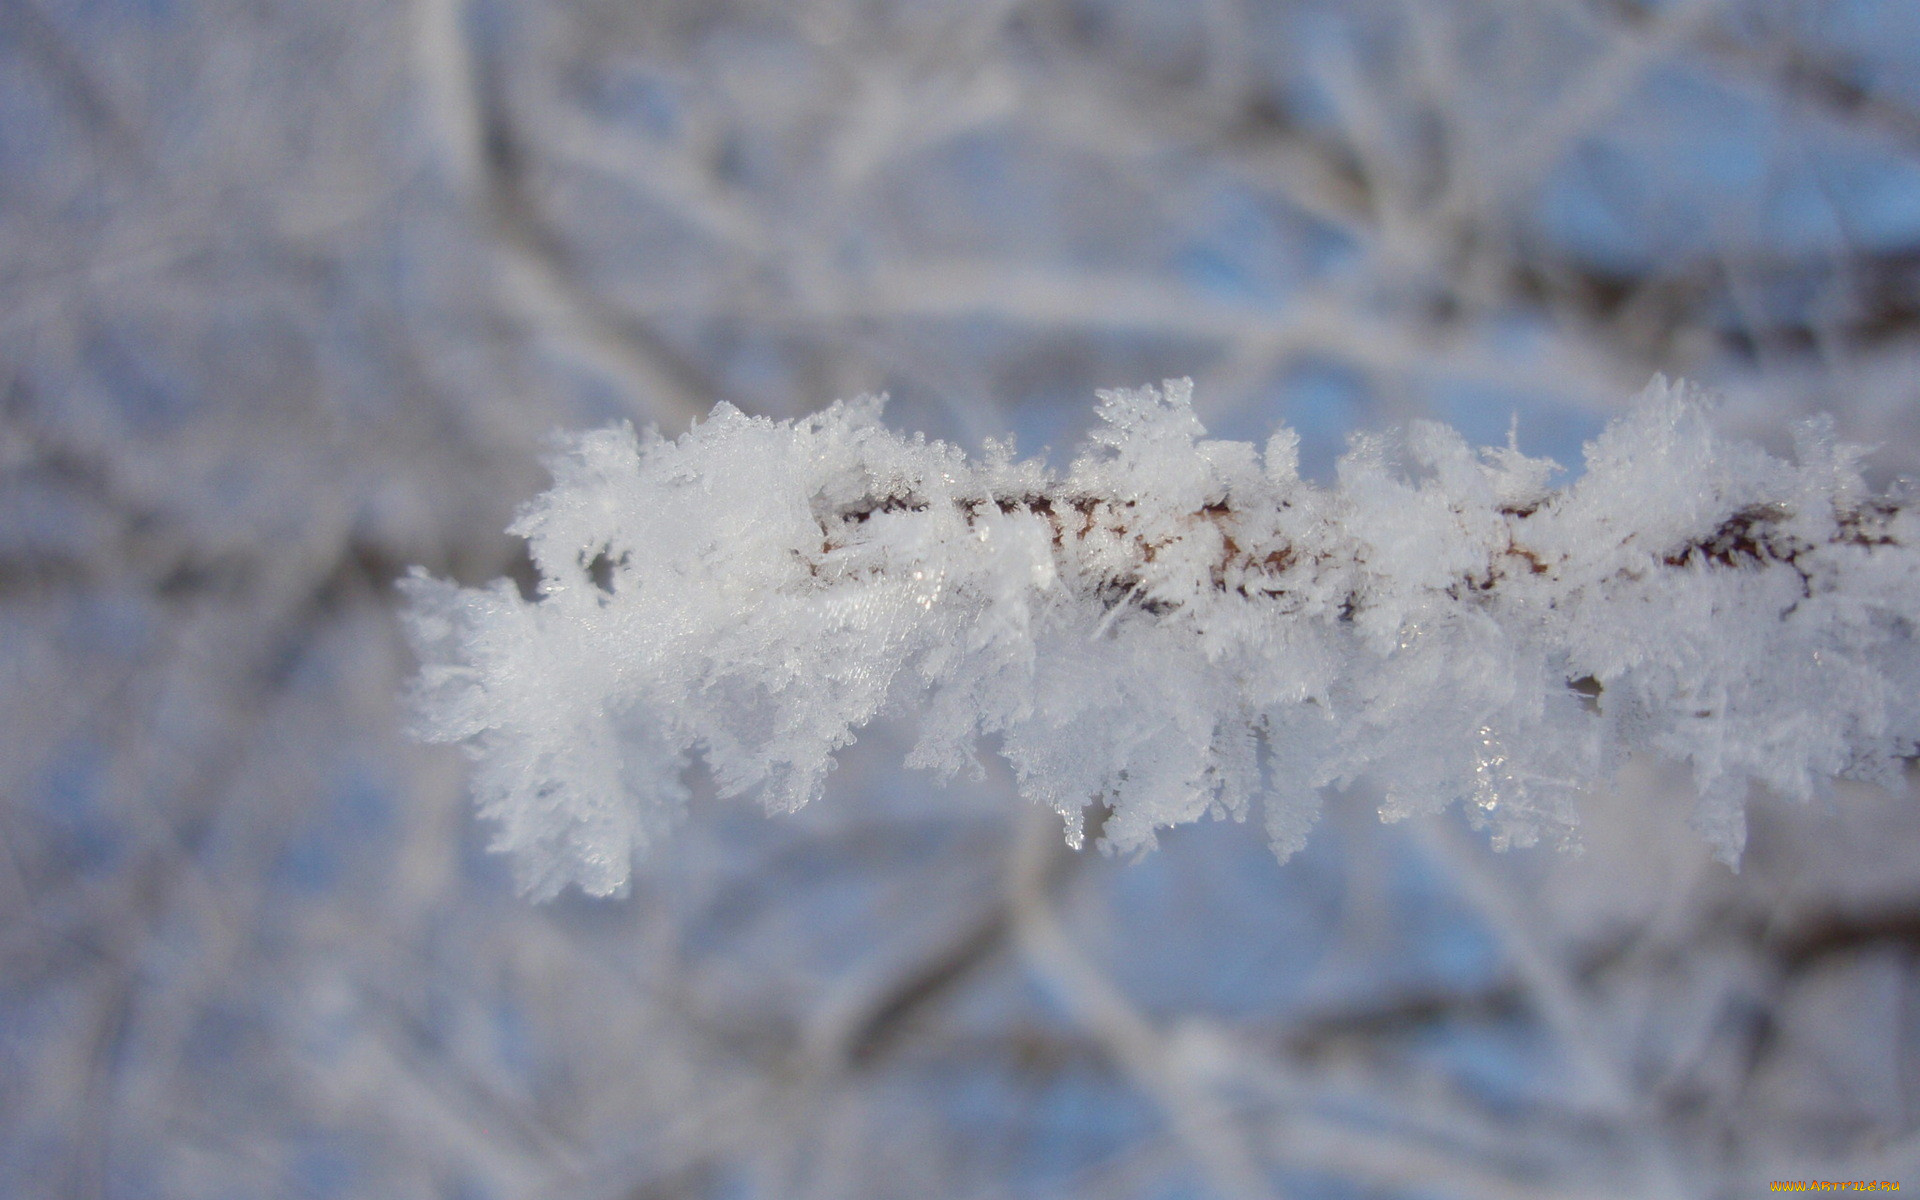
point(1177, 625)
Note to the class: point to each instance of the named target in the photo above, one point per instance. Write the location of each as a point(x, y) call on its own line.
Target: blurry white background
point(292, 295)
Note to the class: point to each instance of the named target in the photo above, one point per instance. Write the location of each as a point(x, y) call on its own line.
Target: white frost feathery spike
point(1176, 625)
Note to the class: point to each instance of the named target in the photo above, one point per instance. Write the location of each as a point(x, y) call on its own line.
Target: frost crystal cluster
point(1176, 626)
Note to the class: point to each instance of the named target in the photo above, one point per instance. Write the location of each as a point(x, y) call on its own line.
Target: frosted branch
point(1176, 625)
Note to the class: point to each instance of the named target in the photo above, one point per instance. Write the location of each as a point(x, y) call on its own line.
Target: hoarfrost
point(1177, 626)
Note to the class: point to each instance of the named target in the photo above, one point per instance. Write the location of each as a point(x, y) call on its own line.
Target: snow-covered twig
point(1177, 625)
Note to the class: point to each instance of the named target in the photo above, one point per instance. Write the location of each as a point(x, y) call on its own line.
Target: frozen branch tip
point(1177, 626)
